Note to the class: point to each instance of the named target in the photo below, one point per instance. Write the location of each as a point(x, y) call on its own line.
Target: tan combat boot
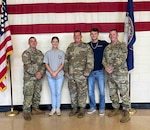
point(114, 112)
point(27, 116)
point(81, 113)
point(37, 111)
point(74, 111)
point(125, 117)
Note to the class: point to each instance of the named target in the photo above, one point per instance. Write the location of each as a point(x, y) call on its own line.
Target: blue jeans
point(55, 86)
point(99, 77)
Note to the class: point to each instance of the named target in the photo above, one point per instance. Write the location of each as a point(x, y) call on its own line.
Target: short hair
point(77, 31)
point(31, 38)
point(94, 30)
point(55, 37)
point(114, 30)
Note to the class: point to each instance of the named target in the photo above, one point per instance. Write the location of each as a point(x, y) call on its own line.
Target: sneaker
point(101, 112)
point(58, 112)
point(52, 112)
point(91, 110)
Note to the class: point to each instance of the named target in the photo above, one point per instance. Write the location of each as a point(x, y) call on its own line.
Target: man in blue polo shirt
point(97, 74)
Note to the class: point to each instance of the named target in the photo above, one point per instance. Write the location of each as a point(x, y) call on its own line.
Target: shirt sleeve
point(66, 66)
point(45, 60)
point(104, 59)
point(28, 64)
point(121, 57)
point(63, 57)
point(42, 67)
point(90, 61)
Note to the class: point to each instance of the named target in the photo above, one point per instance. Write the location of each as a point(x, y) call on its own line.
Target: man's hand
point(38, 75)
point(67, 75)
point(86, 74)
point(108, 69)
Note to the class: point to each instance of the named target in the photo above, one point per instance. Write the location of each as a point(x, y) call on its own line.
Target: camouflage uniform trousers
point(78, 90)
point(31, 91)
point(120, 83)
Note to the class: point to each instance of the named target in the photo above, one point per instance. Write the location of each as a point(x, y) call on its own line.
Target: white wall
point(20, 43)
point(140, 83)
point(140, 77)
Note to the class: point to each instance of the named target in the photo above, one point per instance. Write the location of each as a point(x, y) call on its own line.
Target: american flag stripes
point(5, 45)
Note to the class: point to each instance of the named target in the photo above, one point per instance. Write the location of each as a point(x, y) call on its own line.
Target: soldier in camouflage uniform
point(34, 70)
point(114, 61)
point(78, 65)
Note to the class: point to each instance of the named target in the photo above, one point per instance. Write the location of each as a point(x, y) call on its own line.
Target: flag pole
point(129, 39)
point(12, 112)
point(132, 111)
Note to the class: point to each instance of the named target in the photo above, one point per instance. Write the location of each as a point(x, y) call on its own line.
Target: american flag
point(57, 16)
point(5, 45)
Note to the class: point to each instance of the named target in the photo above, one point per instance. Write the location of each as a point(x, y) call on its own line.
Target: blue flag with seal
point(129, 34)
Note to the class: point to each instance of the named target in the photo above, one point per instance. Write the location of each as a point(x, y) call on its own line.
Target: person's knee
point(124, 91)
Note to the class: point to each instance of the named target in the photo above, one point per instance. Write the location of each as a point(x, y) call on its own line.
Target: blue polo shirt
point(98, 49)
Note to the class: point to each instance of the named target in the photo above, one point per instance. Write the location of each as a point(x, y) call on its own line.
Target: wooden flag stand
point(132, 111)
point(12, 112)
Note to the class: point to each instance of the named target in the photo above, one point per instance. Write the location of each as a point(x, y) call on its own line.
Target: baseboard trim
point(68, 106)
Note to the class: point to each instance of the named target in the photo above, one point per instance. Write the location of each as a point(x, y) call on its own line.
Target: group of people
point(83, 64)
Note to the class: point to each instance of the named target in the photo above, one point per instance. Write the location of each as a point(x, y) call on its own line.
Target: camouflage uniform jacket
point(115, 57)
point(79, 59)
point(33, 63)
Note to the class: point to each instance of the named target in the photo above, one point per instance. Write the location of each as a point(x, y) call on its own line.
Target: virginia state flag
point(129, 34)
